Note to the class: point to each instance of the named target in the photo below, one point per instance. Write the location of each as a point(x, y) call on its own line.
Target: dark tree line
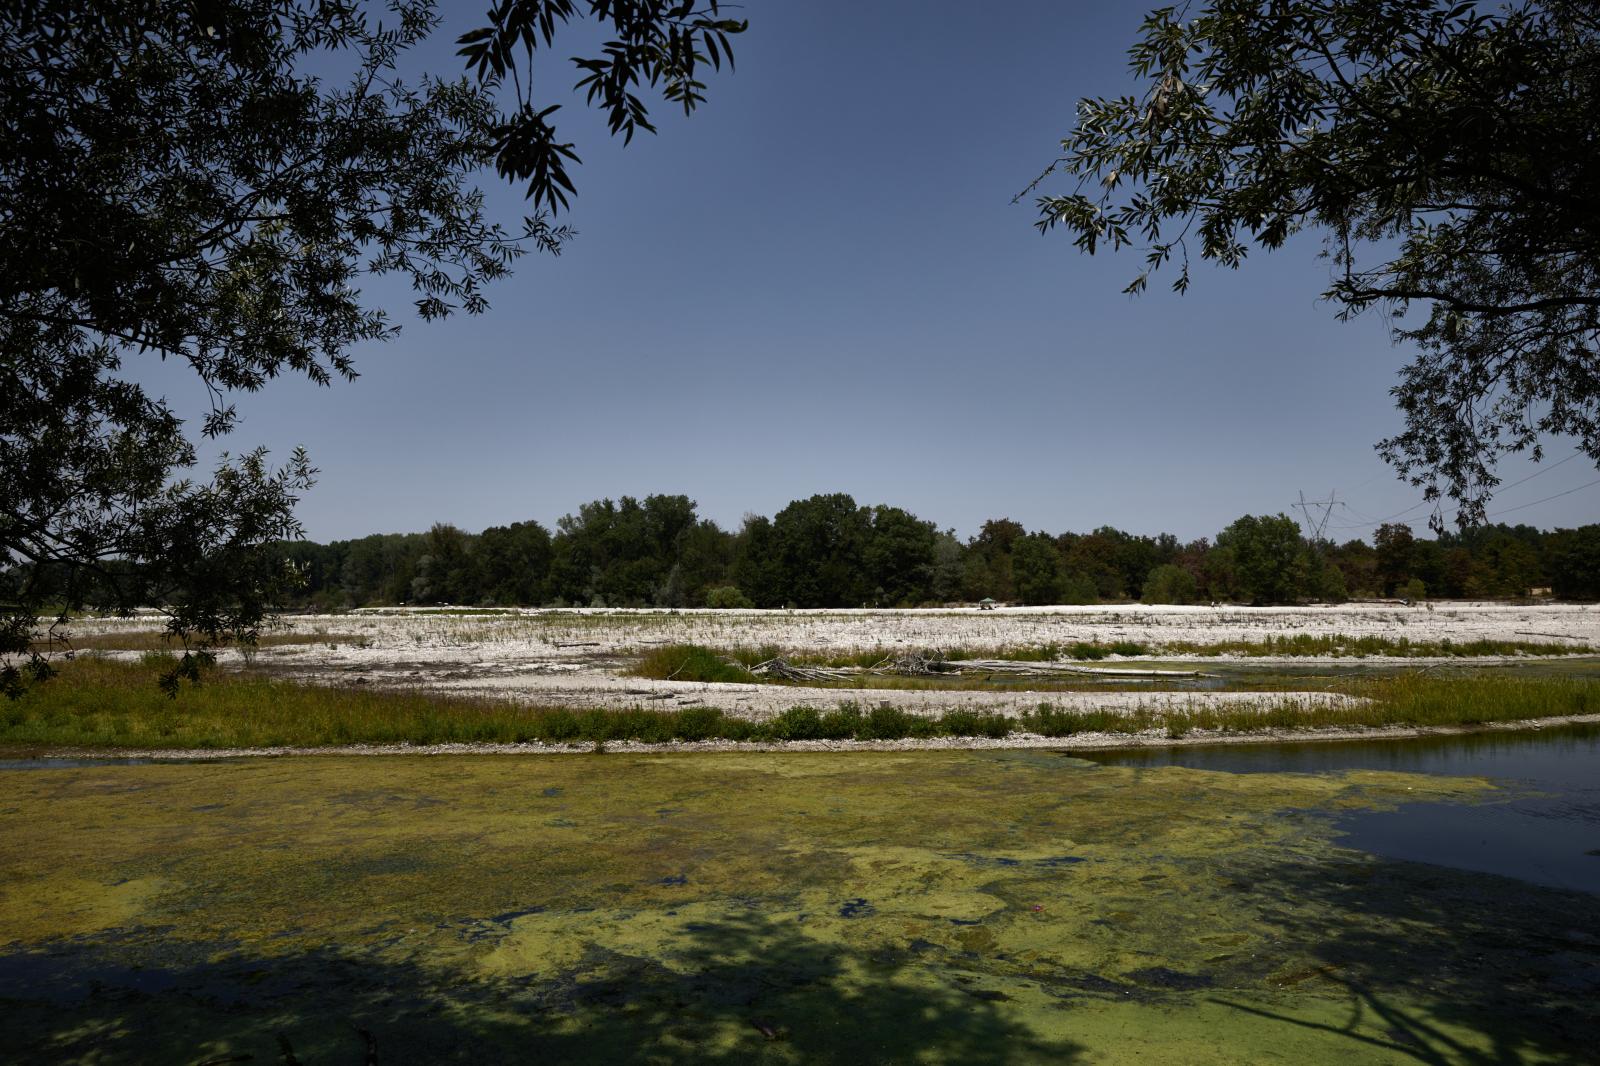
point(829, 551)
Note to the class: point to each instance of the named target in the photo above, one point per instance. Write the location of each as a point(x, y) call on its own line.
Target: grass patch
point(1339, 646)
point(697, 663)
point(1406, 700)
point(690, 662)
point(101, 704)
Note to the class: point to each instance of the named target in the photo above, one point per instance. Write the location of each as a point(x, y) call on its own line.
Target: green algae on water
point(928, 906)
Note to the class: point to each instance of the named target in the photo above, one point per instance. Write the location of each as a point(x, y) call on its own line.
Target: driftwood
point(1557, 636)
point(783, 670)
point(1016, 668)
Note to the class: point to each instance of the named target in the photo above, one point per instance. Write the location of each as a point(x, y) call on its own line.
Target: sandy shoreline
point(1017, 741)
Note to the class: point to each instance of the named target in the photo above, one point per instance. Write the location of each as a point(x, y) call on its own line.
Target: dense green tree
point(656, 552)
point(1169, 583)
point(1268, 556)
point(511, 565)
point(1097, 557)
point(1510, 567)
point(1194, 559)
point(379, 568)
point(1395, 546)
point(948, 567)
point(1135, 556)
point(1325, 580)
point(899, 557)
point(1359, 564)
point(987, 569)
point(1444, 150)
point(1428, 564)
point(622, 553)
point(706, 555)
point(757, 569)
point(821, 549)
point(1574, 563)
point(1036, 569)
point(1076, 588)
point(444, 572)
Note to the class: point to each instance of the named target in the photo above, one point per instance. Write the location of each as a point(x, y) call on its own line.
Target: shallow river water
point(1545, 829)
point(1373, 903)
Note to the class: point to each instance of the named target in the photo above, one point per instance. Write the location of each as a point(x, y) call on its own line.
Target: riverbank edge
point(1016, 741)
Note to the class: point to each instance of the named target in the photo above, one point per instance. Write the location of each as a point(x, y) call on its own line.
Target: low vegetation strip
point(1339, 646)
point(103, 704)
point(693, 662)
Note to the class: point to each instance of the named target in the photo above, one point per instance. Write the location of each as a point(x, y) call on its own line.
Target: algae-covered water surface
point(989, 907)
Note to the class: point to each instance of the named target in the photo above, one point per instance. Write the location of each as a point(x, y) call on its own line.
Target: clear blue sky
point(818, 283)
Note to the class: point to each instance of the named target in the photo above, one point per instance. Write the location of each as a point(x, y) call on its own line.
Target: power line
point(1358, 514)
point(1522, 506)
point(1500, 489)
point(1547, 499)
point(1381, 521)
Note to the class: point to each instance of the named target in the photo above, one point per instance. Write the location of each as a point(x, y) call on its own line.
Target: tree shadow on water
point(1428, 955)
point(743, 989)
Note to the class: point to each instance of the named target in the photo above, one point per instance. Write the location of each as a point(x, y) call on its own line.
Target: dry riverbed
point(581, 658)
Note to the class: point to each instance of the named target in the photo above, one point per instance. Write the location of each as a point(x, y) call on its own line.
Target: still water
point(1546, 830)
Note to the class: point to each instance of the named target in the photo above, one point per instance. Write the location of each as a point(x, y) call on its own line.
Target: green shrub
point(1169, 584)
point(726, 597)
point(797, 723)
point(739, 729)
point(841, 724)
point(885, 723)
point(558, 724)
point(963, 723)
point(1079, 588)
point(689, 662)
point(699, 723)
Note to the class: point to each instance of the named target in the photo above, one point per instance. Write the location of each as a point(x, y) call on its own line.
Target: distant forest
point(828, 551)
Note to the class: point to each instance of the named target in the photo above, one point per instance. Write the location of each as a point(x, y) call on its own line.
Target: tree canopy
point(208, 184)
point(830, 551)
point(1444, 151)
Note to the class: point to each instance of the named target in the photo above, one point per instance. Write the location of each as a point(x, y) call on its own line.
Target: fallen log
point(1016, 668)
